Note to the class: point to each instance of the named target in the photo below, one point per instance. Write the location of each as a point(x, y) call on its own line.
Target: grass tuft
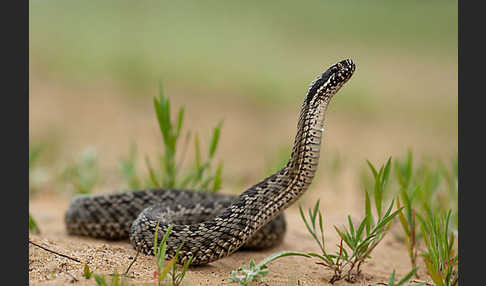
point(84, 174)
point(359, 239)
point(128, 169)
point(426, 193)
point(116, 278)
point(255, 272)
point(171, 172)
point(439, 255)
point(34, 154)
point(171, 268)
point(37, 175)
point(405, 279)
point(33, 225)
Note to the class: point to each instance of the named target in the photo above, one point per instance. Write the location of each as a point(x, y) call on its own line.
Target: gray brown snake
point(213, 226)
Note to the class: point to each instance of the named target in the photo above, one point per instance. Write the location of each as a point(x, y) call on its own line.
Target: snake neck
point(281, 189)
point(305, 154)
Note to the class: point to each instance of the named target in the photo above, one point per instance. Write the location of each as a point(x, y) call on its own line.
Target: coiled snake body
point(212, 226)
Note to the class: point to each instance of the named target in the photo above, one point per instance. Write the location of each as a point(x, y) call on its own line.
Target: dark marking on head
point(331, 80)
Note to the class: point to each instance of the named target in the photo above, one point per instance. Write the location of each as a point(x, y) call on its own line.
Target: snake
point(206, 227)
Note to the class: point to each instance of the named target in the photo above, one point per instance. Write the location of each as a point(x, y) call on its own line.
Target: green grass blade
point(166, 269)
point(163, 125)
point(351, 226)
point(386, 174)
point(99, 280)
point(359, 232)
point(314, 235)
point(215, 139)
point(180, 120)
point(314, 214)
point(379, 226)
point(434, 275)
point(152, 176)
point(115, 279)
point(271, 258)
point(407, 277)
point(344, 237)
point(87, 272)
point(217, 182)
point(377, 192)
point(389, 208)
point(162, 245)
point(155, 248)
point(304, 219)
point(391, 281)
point(403, 221)
point(373, 170)
point(33, 225)
point(322, 233)
point(197, 151)
point(184, 270)
point(370, 223)
point(34, 154)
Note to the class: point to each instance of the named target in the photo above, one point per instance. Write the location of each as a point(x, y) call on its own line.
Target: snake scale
point(212, 226)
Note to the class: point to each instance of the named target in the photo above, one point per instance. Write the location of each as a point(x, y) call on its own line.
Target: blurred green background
point(95, 66)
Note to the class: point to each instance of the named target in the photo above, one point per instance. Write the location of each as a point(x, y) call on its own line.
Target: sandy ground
point(105, 257)
point(102, 116)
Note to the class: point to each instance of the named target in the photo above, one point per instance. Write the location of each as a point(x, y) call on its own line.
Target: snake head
point(327, 84)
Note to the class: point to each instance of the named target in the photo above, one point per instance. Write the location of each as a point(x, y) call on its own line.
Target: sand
point(104, 257)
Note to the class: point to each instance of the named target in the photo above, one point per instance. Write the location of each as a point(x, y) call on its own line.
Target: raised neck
point(304, 159)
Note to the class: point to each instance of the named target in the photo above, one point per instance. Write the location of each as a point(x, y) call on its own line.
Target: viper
point(213, 226)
